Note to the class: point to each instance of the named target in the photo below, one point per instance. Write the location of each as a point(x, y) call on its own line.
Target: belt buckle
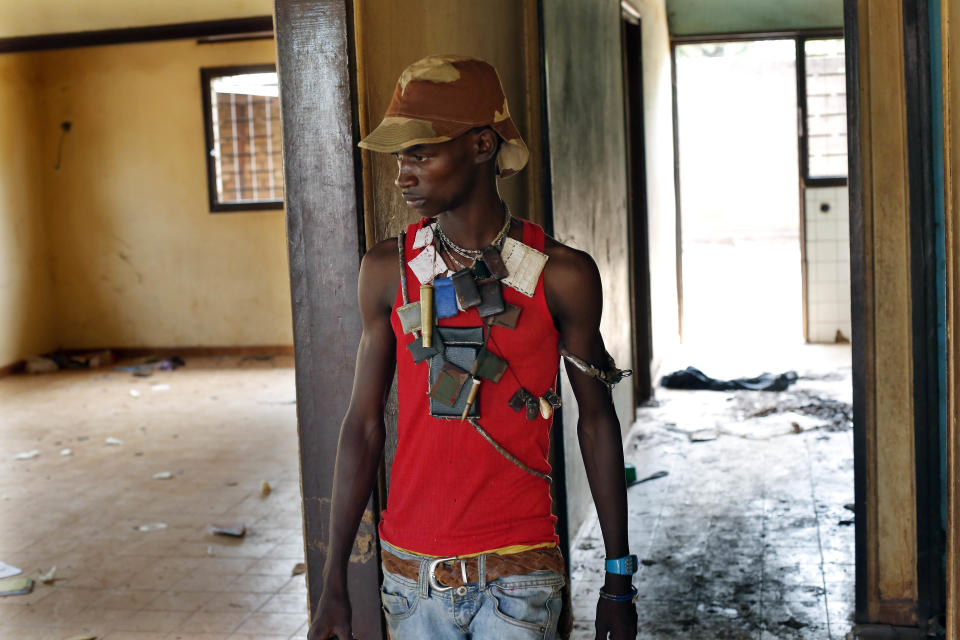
point(434, 583)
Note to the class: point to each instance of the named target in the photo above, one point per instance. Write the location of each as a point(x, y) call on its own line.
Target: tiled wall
point(827, 263)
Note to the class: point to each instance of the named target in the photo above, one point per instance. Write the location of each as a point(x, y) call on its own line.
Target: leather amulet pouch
point(460, 348)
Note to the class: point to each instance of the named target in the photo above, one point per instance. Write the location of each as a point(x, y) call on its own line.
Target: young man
point(474, 308)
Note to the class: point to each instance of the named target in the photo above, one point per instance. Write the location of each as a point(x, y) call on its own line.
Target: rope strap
point(506, 454)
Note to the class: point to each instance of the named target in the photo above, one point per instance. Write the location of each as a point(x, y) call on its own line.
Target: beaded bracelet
point(624, 597)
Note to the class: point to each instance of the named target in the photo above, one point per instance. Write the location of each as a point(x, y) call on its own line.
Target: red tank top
point(451, 492)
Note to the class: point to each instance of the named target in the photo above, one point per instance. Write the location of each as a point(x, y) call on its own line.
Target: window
point(242, 121)
point(825, 110)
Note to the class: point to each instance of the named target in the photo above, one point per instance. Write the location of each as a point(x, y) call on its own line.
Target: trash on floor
point(8, 570)
point(653, 476)
point(693, 379)
point(66, 452)
point(152, 526)
point(160, 387)
point(299, 569)
point(134, 393)
point(163, 475)
point(113, 442)
point(49, 576)
point(18, 586)
point(265, 489)
point(233, 529)
point(50, 362)
point(704, 435)
point(28, 455)
point(152, 364)
point(40, 364)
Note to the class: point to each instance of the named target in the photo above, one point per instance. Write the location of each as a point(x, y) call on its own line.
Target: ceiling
point(695, 17)
point(34, 17)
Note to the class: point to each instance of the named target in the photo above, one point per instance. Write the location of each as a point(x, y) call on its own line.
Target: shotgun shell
point(471, 398)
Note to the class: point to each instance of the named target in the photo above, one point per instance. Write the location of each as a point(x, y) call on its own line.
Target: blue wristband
point(624, 597)
point(625, 566)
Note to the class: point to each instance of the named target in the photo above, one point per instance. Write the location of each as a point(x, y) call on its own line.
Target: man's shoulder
point(568, 263)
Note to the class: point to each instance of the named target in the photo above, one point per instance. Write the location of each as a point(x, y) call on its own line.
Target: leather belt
point(452, 572)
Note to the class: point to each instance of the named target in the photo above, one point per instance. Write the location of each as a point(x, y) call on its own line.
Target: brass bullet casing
point(471, 398)
point(546, 409)
point(426, 313)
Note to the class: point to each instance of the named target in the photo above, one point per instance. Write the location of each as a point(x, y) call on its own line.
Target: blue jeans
point(524, 607)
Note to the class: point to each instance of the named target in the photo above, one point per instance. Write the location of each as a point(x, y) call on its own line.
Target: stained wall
point(26, 288)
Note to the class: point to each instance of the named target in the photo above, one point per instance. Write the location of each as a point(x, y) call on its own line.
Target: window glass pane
point(826, 108)
point(246, 138)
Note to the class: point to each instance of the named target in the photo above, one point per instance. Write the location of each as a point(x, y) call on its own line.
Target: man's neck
point(474, 224)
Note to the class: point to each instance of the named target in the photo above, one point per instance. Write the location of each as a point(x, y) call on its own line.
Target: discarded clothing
point(694, 379)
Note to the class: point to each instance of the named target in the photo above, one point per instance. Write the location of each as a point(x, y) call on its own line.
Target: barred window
point(242, 121)
point(826, 108)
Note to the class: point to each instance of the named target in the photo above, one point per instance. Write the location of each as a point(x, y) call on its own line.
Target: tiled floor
point(748, 537)
point(223, 426)
point(742, 538)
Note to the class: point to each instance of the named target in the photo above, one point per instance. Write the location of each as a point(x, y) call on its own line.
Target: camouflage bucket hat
point(441, 97)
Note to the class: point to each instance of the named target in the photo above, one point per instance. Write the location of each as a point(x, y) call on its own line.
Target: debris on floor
point(40, 364)
point(113, 442)
point(152, 364)
point(66, 452)
point(134, 393)
point(49, 576)
point(18, 586)
point(7, 570)
point(50, 362)
point(233, 529)
point(152, 526)
point(693, 379)
point(160, 387)
point(299, 569)
point(749, 535)
point(163, 475)
point(265, 489)
point(28, 455)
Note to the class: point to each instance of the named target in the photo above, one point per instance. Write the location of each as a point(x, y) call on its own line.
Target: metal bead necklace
point(474, 254)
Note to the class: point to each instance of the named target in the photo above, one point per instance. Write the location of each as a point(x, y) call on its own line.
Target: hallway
point(749, 536)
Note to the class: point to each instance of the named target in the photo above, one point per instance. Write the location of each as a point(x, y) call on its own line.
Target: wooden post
point(316, 64)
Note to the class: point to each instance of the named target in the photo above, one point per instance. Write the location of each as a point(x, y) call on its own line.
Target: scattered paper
point(134, 393)
point(28, 455)
point(233, 529)
point(7, 570)
point(163, 475)
point(265, 489)
point(16, 586)
point(299, 569)
point(48, 577)
point(160, 387)
point(66, 452)
point(152, 526)
point(114, 442)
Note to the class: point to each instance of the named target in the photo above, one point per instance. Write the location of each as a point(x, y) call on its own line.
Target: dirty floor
point(221, 428)
point(749, 536)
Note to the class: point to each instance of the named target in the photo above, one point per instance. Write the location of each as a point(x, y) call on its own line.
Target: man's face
point(438, 177)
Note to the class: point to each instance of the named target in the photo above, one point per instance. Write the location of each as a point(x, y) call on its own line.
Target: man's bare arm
point(575, 297)
point(360, 446)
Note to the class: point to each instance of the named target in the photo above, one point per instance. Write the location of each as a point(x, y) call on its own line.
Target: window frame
point(207, 75)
